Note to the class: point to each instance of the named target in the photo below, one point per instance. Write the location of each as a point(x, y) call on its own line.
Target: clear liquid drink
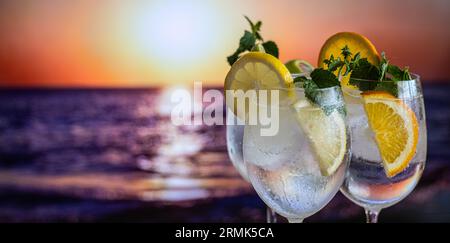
point(367, 183)
point(287, 170)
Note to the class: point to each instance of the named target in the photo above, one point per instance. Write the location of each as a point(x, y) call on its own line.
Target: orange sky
point(152, 43)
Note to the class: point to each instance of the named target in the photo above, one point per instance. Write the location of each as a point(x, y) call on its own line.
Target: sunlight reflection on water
point(104, 138)
point(79, 151)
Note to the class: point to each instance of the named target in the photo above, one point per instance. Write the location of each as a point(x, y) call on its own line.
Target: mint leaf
point(258, 48)
point(333, 63)
point(258, 26)
point(406, 74)
point(233, 58)
point(300, 79)
point(316, 96)
point(246, 43)
point(249, 41)
point(384, 64)
point(397, 74)
point(384, 72)
point(249, 21)
point(255, 28)
point(320, 79)
point(271, 48)
point(390, 87)
point(356, 58)
point(365, 75)
point(324, 78)
point(346, 52)
point(363, 69)
point(374, 77)
point(311, 90)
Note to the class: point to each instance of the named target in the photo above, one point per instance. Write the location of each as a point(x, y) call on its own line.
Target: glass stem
point(372, 215)
point(271, 216)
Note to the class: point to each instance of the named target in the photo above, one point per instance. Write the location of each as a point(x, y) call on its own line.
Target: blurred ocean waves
point(113, 155)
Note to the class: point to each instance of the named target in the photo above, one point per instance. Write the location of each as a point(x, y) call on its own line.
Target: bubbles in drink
point(366, 182)
point(235, 137)
point(285, 171)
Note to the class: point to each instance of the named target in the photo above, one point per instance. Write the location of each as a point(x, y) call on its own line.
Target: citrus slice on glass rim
point(256, 71)
point(395, 128)
point(356, 43)
point(327, 135)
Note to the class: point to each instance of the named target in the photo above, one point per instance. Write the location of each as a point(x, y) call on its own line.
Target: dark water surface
point(113, 155)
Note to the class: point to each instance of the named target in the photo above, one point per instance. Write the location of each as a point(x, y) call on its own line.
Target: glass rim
point(414, 77)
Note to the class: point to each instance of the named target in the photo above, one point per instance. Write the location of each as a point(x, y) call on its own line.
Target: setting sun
point(175, 32)
point(165, 43)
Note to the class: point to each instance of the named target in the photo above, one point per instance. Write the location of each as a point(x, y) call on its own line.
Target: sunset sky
point(154, 43)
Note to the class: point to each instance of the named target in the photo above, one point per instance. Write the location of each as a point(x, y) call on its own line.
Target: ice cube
point(363, 140)
point(272, 152)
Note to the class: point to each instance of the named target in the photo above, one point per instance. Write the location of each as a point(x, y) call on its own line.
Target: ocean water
point(113, 155)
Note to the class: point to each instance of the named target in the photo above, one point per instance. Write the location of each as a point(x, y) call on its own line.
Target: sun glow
point(161, 43)
point(175, 33)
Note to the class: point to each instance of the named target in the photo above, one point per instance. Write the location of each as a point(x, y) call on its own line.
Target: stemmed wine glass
point(389, 144)
point(298, 171)
point(235, 136)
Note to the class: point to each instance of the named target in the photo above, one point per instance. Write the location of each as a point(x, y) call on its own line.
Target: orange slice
point(395, 127)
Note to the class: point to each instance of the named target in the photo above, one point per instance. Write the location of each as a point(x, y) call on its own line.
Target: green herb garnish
point(345, 64)
point(324, 78)
point(250, 39)
point(360, 70)
point(321, 79)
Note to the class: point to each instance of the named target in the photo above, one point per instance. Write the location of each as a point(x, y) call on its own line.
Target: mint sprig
point(255, 28)
point(369, 77)
point(360, 70)
point(398, 74)
point(384, 64)
point(345, 64)
point(321, 79)
point(363, 75)
point(271, 48)
point(246, 43)
point(363, 69)
point(324, 78)
point(250, 39)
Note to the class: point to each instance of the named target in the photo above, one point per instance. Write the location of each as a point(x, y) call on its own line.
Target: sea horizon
point(90, 155)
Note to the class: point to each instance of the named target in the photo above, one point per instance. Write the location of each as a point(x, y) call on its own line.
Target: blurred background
point(85, 131)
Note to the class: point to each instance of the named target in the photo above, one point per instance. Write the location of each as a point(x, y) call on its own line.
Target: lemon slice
point(327, 134)
point(356, 43)
point(395, 127)
point(256, 70)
